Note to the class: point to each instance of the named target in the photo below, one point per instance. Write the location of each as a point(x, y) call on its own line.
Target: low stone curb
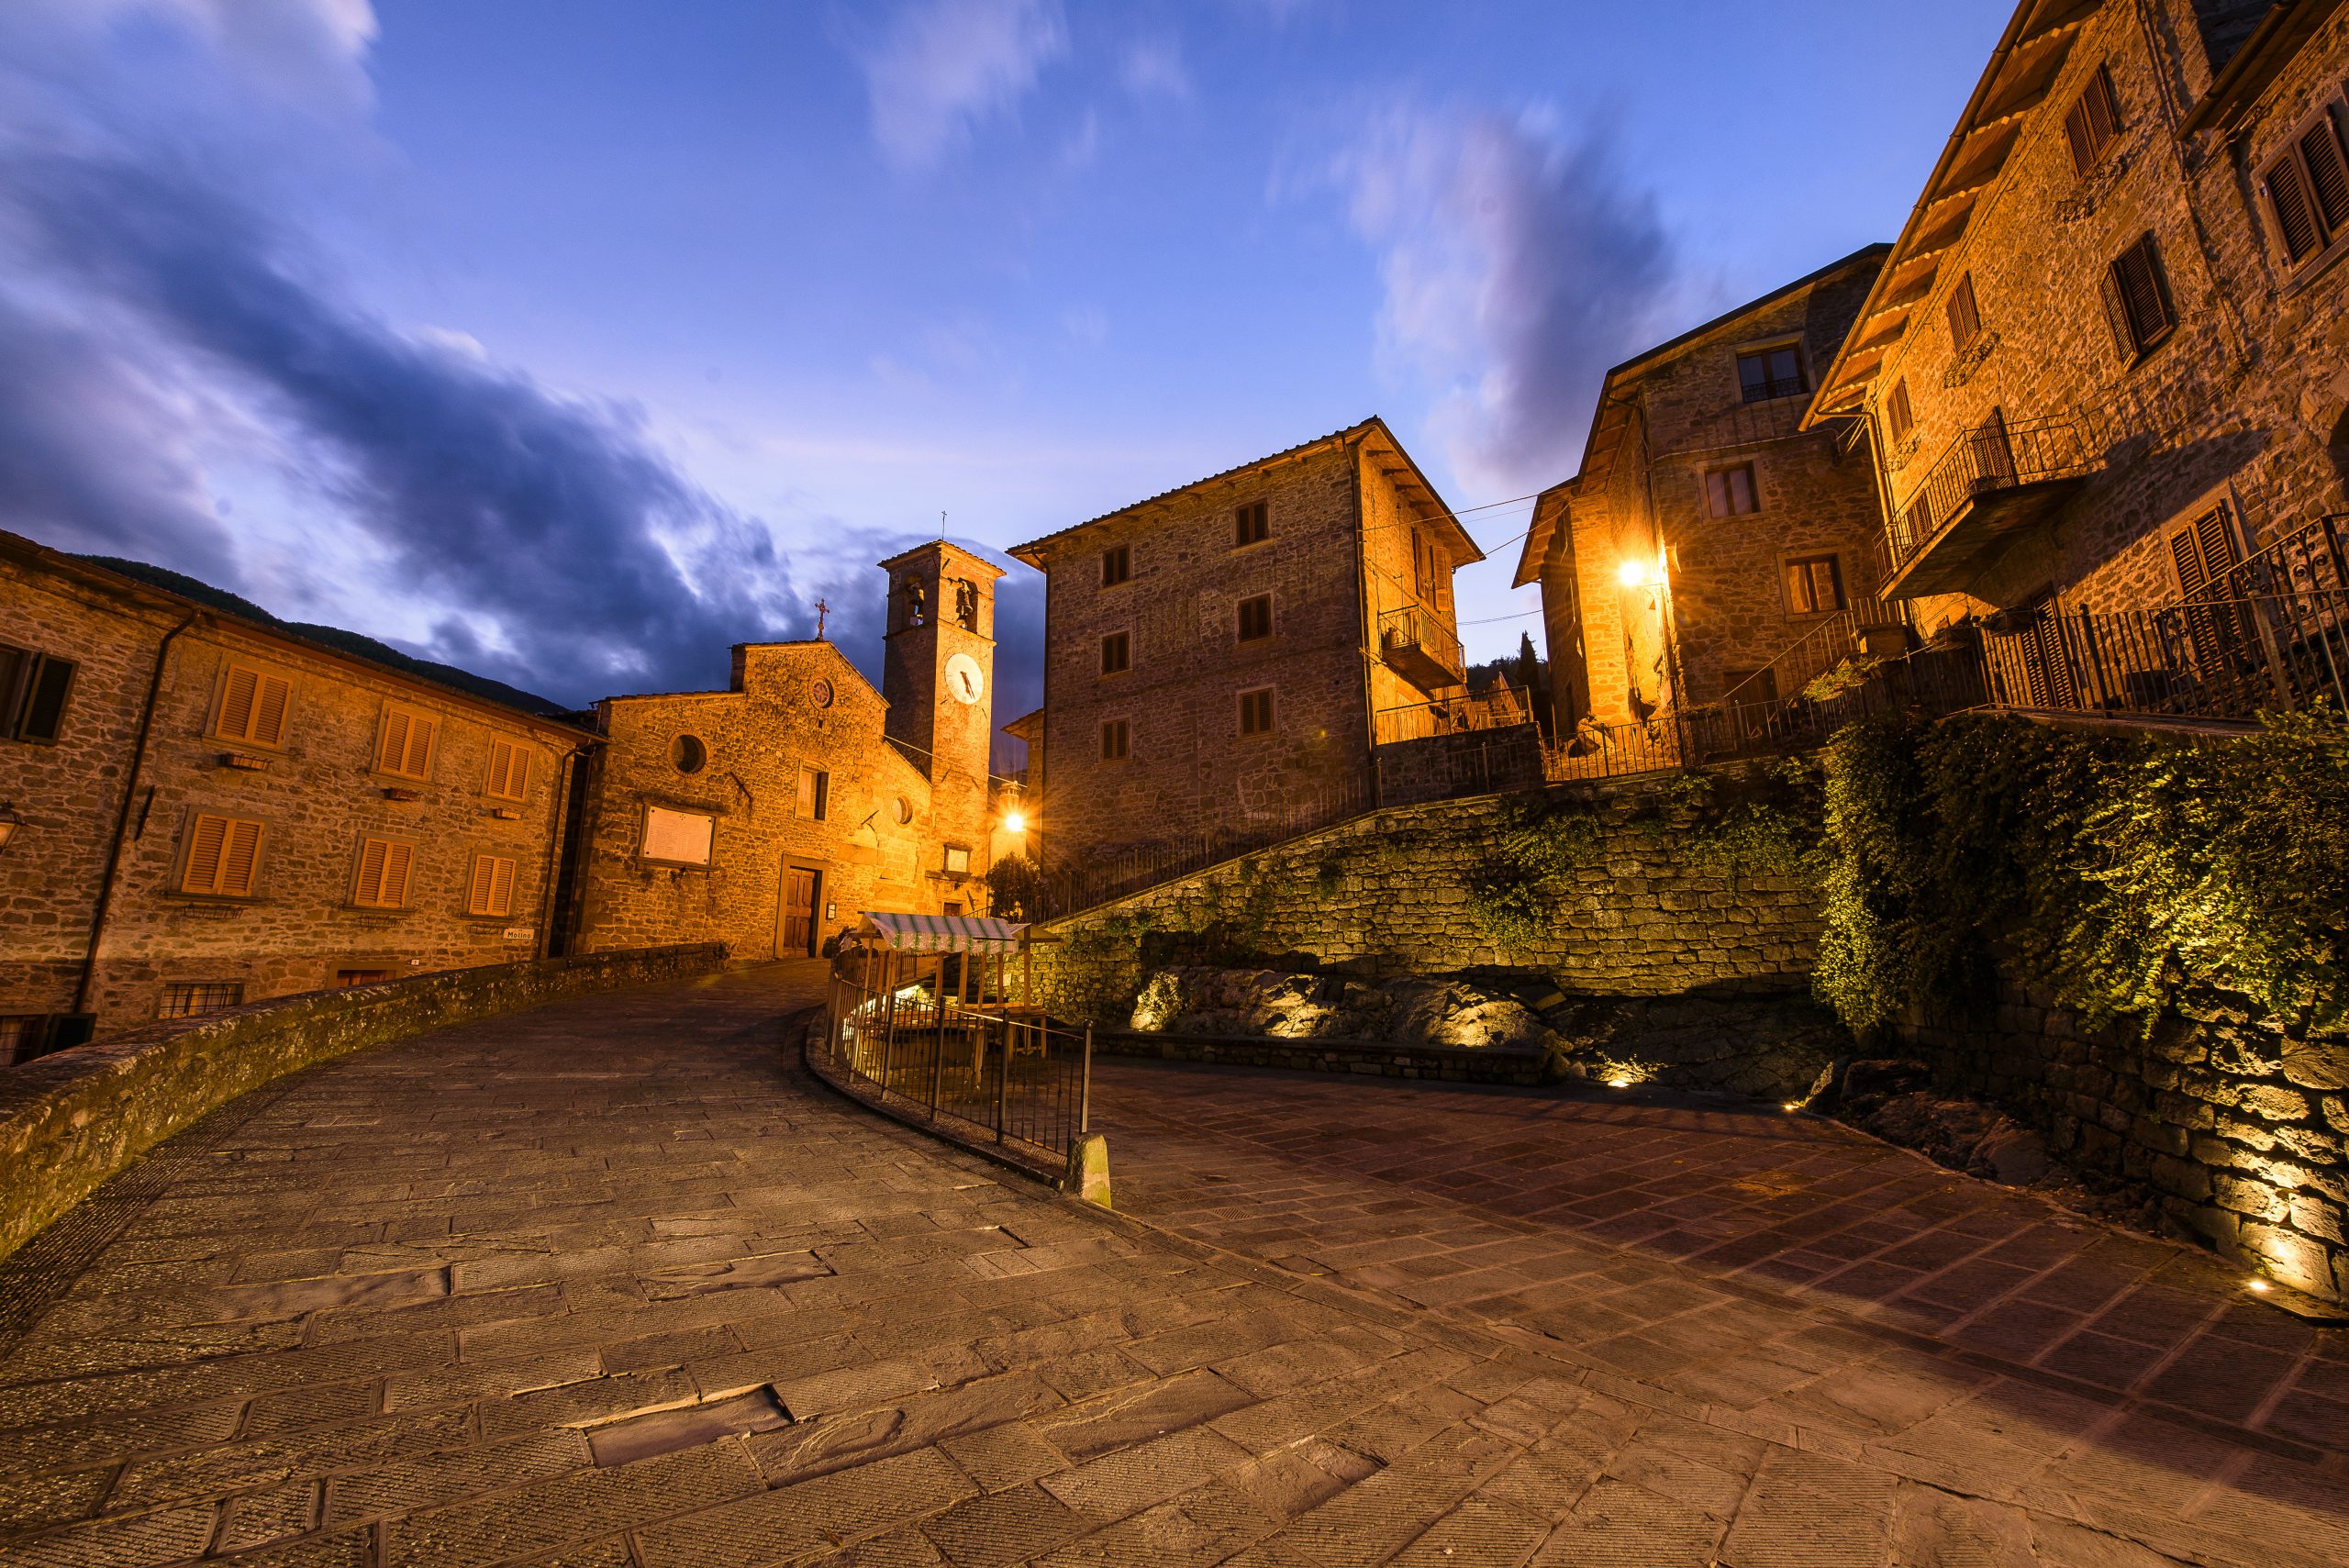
point(70, 1121)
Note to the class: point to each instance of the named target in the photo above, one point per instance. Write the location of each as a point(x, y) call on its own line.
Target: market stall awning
point(943, 933)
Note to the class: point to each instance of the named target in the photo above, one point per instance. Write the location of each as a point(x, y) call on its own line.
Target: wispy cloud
point(1518, 265)
point(1152, 68)
point(943, 66)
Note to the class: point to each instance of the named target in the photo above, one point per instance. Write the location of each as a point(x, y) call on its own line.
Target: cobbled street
point(615, 1282)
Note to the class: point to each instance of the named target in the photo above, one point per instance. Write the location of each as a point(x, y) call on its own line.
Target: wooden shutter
point(1964, 316)
point(805, 804)
point(392, 753)
point(2328, 179)
point(223, 855)
point(1895, 409)
point(395, 869)
point(2116, 315)
point(509, 770)
point(419, 748)
point(2288, 195)
point(2093, 121)
point(253, 705)
point(491, 890)
point(2144, 295)
point(237, 694)
point(2077, 131)
point(207, 837)
point(369, 886)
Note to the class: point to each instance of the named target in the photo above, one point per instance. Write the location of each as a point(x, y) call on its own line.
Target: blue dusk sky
point(574, 341)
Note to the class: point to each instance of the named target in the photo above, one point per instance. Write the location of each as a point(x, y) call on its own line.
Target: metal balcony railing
point(1498, 709)
point(1781, 387)
point(1416, 640)
point(2310, 559)
point(1994, 455)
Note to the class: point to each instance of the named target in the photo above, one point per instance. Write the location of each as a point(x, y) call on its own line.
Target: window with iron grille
point(1729, 491)
point(1765, 373)
point(2137, 300)
point(1256, 712)
point(186, 998)
point(1814, 584)
point(2093, 125)
point(1116, 740)
point(1899, 421)
point(1117, 564)
point(1964, 315)
point(1256, 617)
point(1252, 523)
point(2307, 187)
point(1117, 653)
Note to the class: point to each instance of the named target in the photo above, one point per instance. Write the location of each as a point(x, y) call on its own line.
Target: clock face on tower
point(965, 682)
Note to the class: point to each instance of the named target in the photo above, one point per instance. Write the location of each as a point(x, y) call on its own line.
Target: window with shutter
point(1252, 523)
point(490, 889)
point(405, 750)
point(1814, 584)
point(252, 706)
point(2137, 300)
point(1898, 420)
point(1964, 315)
point(383, 874)
point(509, 770)
point(2306, 187)
point(815, 794)
point(223, 856)
point(1116, 740)
point(2093, 123)
point(1117, 653)
point(1256, 712)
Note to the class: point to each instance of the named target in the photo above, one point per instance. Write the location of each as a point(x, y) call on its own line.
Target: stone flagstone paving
point(614, 1283)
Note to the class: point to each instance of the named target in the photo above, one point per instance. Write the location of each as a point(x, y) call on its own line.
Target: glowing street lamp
point(9, 822)
point(1015, 821)
point(1636, 574)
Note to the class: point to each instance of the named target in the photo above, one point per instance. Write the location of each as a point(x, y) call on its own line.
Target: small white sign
point(519, 933)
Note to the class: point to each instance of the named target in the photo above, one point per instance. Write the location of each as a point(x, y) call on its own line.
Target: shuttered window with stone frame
point(2307, 189)
point(490, 889)
point(223, 857)
point(2204, 553)
point(509, 771)
point(251, 705)
point(1964, 315)
point(381, 879)
point(2093, 123)
point(403, 744)
point(1898, 418)
point(2137, 302)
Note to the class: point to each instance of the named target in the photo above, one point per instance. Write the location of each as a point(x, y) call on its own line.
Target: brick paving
point(613, 1283)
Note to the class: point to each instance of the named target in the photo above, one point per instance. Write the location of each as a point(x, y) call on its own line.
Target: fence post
point(1085, 1087)
point(1003, 1077)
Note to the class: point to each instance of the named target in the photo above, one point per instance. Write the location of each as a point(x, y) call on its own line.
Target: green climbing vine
point(1536, 848)
point(2109, 870)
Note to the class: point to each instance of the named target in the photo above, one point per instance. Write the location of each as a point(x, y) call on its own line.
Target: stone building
point(2104, 360)
point(767, 816)
point(201, 810)
point(1707, 534)
point(1225, 655)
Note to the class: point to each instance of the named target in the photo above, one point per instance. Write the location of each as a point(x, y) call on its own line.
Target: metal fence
point(1412, 627)
point(2225, 658)
point(923, 1034)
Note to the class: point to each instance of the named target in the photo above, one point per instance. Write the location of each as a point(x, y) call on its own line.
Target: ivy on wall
point(2110, 869)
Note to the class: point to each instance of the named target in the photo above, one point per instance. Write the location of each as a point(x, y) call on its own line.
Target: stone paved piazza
point(614, 1283)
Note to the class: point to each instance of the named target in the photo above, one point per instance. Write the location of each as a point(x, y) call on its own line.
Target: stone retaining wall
point(70, 1121)
point(1458, 1064)
point(1388, 894)
point(2234, 1123)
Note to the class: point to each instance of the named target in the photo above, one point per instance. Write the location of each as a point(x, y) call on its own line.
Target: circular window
point(904, 811)
point(819, 692)
point(688, 753)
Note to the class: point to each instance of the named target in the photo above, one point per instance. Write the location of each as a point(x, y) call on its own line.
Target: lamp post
point(9, 822)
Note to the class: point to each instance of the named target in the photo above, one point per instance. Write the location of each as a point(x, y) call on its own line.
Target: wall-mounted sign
point(681, 837)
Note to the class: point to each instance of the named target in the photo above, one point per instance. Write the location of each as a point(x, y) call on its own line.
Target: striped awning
point(945, 933)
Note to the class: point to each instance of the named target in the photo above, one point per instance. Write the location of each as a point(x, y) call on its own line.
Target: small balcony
point(1419, 647)
point(1995, 482)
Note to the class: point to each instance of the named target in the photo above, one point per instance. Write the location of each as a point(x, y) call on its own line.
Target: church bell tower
point(937, 673)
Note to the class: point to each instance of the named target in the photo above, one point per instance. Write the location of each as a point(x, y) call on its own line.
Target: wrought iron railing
point(2310, 559)
point(1413, 627)
point(1498, 709)
point(1997, 454)
point(2227, 659)
point(1838, 638)
point(896, 1034)
point(1779, 386)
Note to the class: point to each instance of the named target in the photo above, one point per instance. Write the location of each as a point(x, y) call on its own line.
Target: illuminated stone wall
point(2237, 1123)
point(1390, 893)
